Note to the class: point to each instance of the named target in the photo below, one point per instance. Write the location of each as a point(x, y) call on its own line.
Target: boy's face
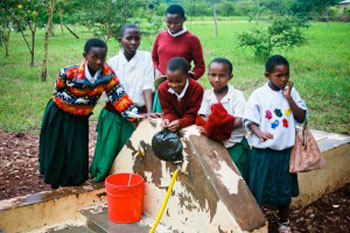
point(219, 75)
point(95, 57)
point(174, 22)
point(176, 80)
point(279, 76)
point(130, 40)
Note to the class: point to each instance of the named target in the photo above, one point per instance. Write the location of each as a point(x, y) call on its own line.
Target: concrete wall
point(210, 196)
point(336, 150)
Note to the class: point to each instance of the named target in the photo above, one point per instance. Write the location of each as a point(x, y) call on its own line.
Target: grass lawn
point(320, 71)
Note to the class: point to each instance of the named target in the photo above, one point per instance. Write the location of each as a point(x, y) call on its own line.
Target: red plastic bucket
point(124, 197)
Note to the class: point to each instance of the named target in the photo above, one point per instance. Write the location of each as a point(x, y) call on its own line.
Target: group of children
point(126, 82)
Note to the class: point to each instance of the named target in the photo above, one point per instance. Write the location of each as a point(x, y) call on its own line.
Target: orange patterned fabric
point(74, 94)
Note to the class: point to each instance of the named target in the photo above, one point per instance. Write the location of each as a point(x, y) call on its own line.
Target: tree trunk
point(215, 18)
point(60, 15)
point(7, 42)
point(51, 5)
point(32, 53)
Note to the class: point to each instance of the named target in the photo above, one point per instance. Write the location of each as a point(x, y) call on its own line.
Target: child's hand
point(200, 129)
point(265, 136)
point(191, 74)
point(165, 123)
point(287, 90)
point(174, 125)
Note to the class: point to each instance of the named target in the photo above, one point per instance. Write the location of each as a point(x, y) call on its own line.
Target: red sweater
point(186, 45)
point(184, 110)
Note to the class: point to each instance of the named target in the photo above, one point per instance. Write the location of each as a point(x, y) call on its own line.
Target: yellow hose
point(165, 201)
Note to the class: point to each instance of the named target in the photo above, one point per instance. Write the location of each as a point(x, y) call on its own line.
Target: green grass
point(319, 69)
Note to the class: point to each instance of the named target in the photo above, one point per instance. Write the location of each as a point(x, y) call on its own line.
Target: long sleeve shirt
point(184, 109)
point(186, 45)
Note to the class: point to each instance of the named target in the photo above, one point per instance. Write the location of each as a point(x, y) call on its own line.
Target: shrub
point(283, 33)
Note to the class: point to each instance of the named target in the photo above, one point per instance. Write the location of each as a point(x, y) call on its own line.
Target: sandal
point(283, 227)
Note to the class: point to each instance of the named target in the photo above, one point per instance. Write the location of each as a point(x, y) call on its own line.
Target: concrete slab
point(208, 196)
point(47, 208)
point(99, 222)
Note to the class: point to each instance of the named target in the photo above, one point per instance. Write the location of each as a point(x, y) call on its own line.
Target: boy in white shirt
point(220, 72)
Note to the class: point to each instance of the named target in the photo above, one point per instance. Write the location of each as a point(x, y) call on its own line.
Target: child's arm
point(147, 95)
point(199, 66)
point(194, 105)
point(298, 113)
point(119, 99)
point(238, 123)
point(155, 58)
point(262, 136)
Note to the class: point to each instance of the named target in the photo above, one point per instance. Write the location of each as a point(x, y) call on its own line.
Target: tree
point(24, 14)
point(311, 8)
point(5, 29)
point(283, 33)
point(108, 16)
point(50, 9)
point(215, 19)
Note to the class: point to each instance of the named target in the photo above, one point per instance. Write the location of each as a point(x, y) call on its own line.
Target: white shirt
point(135, 75)
point(234, 103)
point(270, 110)
point(88, 76)
point(183, 92)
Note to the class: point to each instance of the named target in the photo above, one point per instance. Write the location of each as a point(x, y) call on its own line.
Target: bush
point(284, 33)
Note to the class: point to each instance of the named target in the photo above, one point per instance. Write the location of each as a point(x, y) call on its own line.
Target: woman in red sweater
point(177, 41)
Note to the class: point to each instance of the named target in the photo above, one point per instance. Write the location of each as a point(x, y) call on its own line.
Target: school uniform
point(63, 148)
point(270, 180)
point(135, 75)
point(237, 146)
point(184, 106)
point(181, 44)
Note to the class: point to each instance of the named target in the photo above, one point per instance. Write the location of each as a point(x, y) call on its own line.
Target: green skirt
point(63, 147)
point(114, 132)
point(269, 179)
point(240, 154)
point(156, 104)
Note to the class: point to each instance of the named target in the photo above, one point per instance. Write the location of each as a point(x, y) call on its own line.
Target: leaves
point(283, 33)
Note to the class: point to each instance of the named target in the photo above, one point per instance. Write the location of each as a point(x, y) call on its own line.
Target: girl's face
point(174, 22)
point(95, 57)
point(176, 80)
point(130, 41)
point(219, 75)
point(279, 76)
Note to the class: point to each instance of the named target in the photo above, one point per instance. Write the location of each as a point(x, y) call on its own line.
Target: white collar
point(88, 75)
point(226, 98)
point(132, 61)
point(183, 92)
point(183, 31)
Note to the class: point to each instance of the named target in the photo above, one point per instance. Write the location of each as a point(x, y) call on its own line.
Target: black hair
point(127, 26)
point(94, 42)
point(177, 63)
point(176, 9)
point(273, 61)
point(222, 60)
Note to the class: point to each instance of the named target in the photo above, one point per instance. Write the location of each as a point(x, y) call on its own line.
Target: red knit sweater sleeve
point(199, 66)
point(194, 104)
point(165, 102)
point(155, 57)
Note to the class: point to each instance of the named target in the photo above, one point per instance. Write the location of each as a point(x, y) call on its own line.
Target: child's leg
point(283, 213)
point(156, 104)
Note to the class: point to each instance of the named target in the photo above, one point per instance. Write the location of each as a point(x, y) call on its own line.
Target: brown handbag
point(306, 154)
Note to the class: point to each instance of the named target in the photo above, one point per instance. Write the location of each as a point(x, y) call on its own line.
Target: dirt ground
point(19, 175)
